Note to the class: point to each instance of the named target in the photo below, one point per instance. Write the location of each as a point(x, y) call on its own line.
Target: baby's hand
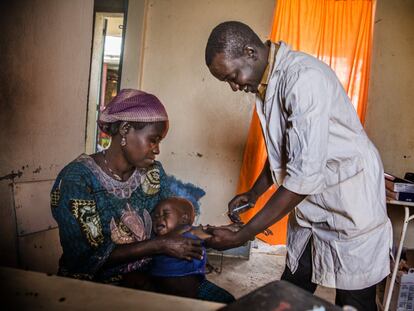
point(200, 233)
point(234, 227)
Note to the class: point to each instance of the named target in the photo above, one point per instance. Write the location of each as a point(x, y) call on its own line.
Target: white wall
point(209, 122)
point(45, 56)
point(133, 46)
point(390, 112)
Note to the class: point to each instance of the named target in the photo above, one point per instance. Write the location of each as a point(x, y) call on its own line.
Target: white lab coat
point(316, 146)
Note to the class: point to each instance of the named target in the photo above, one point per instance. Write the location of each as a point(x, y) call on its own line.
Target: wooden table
point(407, 218)
point(28, 290)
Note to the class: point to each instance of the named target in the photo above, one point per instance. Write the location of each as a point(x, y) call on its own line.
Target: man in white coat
point(328, 171)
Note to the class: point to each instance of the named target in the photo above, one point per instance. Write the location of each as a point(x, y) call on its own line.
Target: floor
point(266, 264)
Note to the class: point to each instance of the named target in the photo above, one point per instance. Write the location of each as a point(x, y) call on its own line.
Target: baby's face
point(166, 217)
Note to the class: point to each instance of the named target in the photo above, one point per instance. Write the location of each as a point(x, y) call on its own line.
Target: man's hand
point(223, 238)
point(247, 199)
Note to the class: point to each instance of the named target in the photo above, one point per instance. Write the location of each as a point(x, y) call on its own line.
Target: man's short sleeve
point(307, 101)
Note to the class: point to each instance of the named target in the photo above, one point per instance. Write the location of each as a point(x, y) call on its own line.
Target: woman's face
point(143, 144)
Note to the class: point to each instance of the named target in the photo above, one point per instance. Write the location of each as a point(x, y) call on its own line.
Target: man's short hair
point(230, 38)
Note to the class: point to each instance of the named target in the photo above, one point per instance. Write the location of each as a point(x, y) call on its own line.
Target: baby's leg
point(138, 280)
point(184, 286)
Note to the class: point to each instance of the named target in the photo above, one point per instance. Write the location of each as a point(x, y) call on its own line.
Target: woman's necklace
point(116, 176)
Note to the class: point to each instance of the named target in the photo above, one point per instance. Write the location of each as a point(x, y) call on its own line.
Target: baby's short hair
point(185, 205)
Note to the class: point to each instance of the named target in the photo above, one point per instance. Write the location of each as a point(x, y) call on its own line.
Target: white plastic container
point(406, 293)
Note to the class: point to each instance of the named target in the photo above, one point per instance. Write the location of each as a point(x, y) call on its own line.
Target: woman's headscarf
point(137, 106)
point(133, 106)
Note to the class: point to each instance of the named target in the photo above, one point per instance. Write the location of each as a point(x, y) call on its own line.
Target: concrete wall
point(390, 114)
point(45, 57)
point(209, 122)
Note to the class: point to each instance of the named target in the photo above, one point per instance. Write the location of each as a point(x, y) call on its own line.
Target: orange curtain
point(338, 32)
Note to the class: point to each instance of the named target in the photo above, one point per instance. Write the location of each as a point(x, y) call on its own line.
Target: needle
point(267, 232)
point(238, 208)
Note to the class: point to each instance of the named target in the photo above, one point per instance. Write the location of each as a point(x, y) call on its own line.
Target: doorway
point(106, 66)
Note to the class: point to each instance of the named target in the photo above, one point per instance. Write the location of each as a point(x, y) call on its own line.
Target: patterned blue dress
point(95, 213)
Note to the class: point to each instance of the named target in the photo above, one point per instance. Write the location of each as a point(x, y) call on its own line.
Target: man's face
point(242, 74)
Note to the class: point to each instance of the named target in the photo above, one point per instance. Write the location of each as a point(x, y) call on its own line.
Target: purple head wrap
point(134, 106)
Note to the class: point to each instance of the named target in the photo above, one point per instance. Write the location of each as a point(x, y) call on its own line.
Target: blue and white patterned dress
point(95, 213)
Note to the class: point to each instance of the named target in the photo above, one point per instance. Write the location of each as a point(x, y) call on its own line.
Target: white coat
point(317, 146)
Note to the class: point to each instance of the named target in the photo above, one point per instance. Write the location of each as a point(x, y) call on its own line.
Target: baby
point(176, 276)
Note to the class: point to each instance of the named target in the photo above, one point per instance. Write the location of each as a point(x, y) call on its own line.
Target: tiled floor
point(266, 264)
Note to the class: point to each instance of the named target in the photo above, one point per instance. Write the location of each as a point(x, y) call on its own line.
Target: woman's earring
point(123, 142)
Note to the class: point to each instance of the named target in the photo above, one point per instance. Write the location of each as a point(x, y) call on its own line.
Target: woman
point(102, 202)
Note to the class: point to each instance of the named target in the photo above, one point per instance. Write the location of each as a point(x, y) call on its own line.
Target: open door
point(106, 66)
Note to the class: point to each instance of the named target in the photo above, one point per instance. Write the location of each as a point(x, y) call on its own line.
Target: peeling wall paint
point(37, 170)
point(12, 175)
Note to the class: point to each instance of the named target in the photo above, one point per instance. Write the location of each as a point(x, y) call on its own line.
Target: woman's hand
point(248, 199)
point(175, 245)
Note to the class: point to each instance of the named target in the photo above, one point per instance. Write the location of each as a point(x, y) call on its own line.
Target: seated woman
point(176, 276)
point(102, 202)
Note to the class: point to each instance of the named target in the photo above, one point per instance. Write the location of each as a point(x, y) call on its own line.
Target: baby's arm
point(201, 231)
